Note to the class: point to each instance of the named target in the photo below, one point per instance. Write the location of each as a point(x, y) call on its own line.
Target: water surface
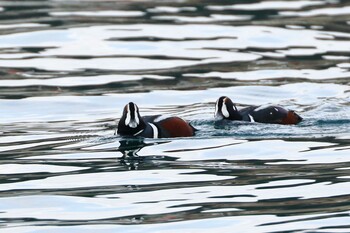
point(68, 68)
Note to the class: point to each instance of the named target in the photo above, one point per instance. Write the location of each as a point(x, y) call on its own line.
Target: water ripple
point(68, 68)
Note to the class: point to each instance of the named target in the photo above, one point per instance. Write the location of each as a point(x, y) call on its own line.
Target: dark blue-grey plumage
point(225, 109)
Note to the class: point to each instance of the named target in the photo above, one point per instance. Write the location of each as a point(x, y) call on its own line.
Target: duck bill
point(218, 117)
point(133, 124)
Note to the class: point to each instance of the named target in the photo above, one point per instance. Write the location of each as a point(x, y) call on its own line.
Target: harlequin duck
point(158, 126)
point(226, 109)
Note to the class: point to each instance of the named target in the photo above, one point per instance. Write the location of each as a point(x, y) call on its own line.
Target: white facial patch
point(216, 109)
point(128, 116)
point(225, 111)
point(155, 130)
point(132, 123)
point(136, 115)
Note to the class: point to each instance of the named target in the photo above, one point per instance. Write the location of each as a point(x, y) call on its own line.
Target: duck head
point(226, 109)
point(131, 123)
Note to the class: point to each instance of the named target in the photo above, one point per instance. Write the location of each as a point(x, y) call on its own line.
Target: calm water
point(68, 67)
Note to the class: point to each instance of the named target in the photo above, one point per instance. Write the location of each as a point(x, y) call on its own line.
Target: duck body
point(156, 126)
point(225, 109)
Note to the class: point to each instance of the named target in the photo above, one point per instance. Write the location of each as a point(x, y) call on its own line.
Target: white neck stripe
point(138, 132)
point(155, 130)
point(251, 118)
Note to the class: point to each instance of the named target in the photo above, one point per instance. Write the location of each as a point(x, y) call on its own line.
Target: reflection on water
point(68, 67)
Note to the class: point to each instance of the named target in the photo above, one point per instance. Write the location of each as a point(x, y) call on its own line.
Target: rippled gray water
point(67, 69)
